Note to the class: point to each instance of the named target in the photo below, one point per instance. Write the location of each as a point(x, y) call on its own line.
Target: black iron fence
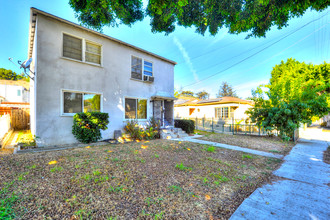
point(235, 126)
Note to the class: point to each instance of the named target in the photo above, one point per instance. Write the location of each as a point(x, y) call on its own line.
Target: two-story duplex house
point(78, 69)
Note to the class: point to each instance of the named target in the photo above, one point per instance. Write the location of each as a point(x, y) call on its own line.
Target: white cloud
point(186, 57)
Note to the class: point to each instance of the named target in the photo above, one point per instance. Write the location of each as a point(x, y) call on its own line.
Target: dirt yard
point(268, 144)
point(159, 179)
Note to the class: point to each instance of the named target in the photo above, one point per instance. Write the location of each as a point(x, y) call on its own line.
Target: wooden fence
point(5, 110)
point(20, 119)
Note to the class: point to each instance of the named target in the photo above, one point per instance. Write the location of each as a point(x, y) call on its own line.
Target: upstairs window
point(82, 50)
point(93, 53)
point(136, 68)
point(72, 47)
point(140, 68)
point(147, 68)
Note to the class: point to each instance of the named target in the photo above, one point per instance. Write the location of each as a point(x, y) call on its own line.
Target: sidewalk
point(305, 191)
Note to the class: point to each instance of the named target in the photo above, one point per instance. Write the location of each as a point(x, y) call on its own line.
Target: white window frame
point(142, 67)
point(221, 112)
point(137, 98)
point(78, 91)
point(84, 40)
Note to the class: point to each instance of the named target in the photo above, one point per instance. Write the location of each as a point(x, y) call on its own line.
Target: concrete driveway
point(304, 191)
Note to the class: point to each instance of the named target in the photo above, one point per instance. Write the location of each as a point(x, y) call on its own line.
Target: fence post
point(212, 125)
point(259, 129)
point(203, 121)
point(223, 128)
point(196, 127)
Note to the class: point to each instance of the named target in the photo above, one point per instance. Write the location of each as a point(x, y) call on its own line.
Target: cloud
point(186, 57)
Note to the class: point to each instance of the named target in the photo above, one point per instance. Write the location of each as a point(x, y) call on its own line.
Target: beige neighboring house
point(14, 91)
point(74, 65)
point(225, 108)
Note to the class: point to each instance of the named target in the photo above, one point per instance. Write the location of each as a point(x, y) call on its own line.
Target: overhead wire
point(252, 55)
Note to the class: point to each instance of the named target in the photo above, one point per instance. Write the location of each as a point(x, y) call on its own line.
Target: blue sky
point(198, 57)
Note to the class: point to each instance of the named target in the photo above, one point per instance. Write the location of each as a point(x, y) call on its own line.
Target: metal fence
point(234, 126)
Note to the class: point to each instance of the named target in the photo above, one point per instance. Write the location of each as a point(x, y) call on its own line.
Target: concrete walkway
point(305, 194)
point(231, 147)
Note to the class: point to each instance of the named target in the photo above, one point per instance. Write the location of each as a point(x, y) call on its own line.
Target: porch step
point(172, 133)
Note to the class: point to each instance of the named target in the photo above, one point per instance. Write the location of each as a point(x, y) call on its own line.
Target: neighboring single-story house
point(14, 91)
point(78, 69)
point(224, 108)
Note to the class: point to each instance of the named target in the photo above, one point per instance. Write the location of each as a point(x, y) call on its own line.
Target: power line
point(231, 66)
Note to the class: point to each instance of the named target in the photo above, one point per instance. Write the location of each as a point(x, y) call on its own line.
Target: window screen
point(72, 47)
point(93, 53)
point(136, 68)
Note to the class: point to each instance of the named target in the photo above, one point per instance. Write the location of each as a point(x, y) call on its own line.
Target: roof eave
point(37, 11)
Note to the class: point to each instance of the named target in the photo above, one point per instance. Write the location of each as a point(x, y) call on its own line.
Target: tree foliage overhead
point(254, 16)
point(297, 92)
point(11, 75)
point(203, 95)
point(226, 90)
point(186, 93)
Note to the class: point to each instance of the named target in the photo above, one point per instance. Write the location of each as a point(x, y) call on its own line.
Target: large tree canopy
point(11, 75)
point(254, 16)
point(296, 93)
point(226, 90)
point(202, 95)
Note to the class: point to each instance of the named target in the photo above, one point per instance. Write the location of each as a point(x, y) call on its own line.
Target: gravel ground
point(145, 180)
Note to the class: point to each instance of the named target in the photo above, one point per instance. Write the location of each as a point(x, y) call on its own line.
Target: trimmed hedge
point(87, 126)
point(187, 125)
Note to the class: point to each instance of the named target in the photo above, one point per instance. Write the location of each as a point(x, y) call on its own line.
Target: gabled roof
point(33, 16)
point(23, 83)
point(201, 102)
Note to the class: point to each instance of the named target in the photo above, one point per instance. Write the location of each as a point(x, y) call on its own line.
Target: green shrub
point(133, 128)
point(186, 125)
point(324, 124)
point(86, 126)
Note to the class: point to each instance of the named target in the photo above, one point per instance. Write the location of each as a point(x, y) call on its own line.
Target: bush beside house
point(187, 125)
point(87, 126)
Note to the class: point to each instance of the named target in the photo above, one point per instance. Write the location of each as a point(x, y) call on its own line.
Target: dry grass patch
point(263, 143)
point(146, 180)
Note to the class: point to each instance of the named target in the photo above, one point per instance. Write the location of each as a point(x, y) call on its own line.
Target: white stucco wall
point(208, 111)
point(112, 80)
point(14, 93)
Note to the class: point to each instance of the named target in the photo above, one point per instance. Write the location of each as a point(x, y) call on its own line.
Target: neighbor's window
point(222, 112)
point(135, 108)
point(73, 49)
point(74, 102)
point(136, 68)
point(18, 92)
point(147, 68)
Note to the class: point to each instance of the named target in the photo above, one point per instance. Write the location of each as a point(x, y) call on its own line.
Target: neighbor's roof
point(33, 15)
point(199, 102)
point(23, 83)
